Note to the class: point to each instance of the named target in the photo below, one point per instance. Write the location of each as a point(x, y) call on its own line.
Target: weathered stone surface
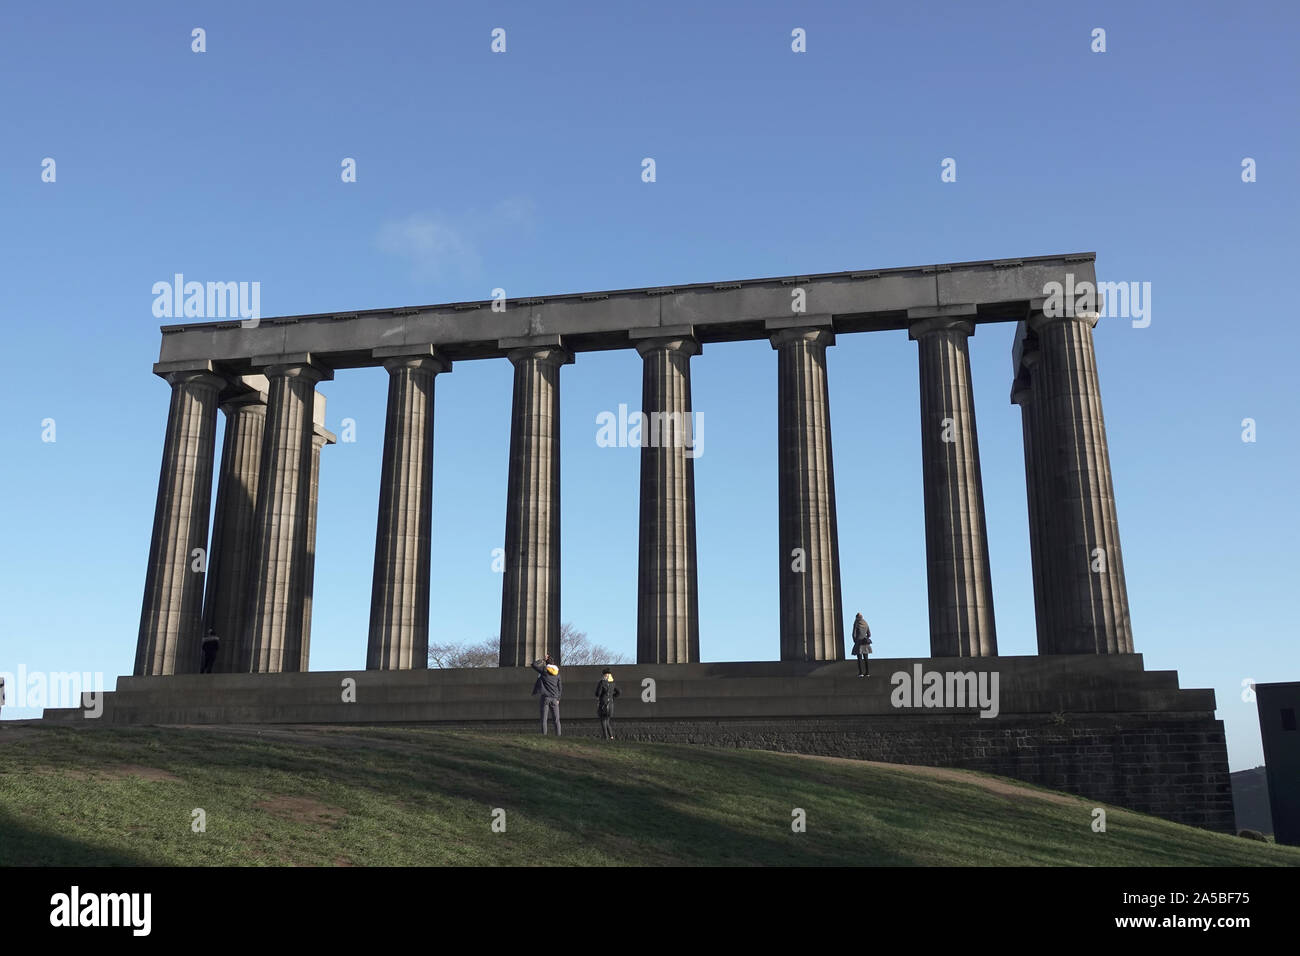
point(319, 439)
point(399, 596)
point(956, 533)
point(230, 570)
point(530, 586)
point(1278, 705)
point(861, 300)
point(277, 598)
point(1083, 560)
point(668, 611)
point(171, 613)
point(1038, 491)
point(812, 615)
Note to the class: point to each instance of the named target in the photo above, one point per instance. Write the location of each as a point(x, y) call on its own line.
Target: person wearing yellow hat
point(550, 685)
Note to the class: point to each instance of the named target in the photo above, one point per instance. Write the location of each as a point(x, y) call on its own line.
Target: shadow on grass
point(586, 801)
point(635, 804)
point(23, 843)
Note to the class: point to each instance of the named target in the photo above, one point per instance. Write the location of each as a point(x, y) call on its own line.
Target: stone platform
point(1099, 726)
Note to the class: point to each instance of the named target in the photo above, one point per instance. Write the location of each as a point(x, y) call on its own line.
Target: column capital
point(242, 394)
point(244, 403)
point(677, 338)
point(201, 374)
point(420, 357)
point(684, 344)
point(545, 354)
point(939, 323)
point(320, 436)
point(293, 365)
point(420, 363)
point(822, 337)
point(1036, 318)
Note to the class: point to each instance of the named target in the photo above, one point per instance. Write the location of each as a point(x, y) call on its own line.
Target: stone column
point(1088, 589)
point(1037, 494)
point(171, 613)
point(230, 569)
point(399, 596)
point(276, 598)
point(668, 608)
point(319, 439)
point(956, 535)
point(812, 618)
point(530, 588)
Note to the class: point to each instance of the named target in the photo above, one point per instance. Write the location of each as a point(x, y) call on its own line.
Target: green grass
point(421, 796)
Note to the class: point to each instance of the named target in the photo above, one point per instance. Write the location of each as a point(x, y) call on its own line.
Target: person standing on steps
point(861, 644)
point(210, 644)
point(606, 691)
point(550, 685)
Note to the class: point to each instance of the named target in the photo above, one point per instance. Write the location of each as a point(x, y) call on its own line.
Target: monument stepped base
point(1099, 726)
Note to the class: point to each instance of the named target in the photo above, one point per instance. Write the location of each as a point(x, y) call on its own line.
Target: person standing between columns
point(551, 686)
point(862, 644)
point(606, 691)
point(211, 643)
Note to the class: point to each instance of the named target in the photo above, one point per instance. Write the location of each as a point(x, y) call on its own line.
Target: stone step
point(303, 709)
point(764, 690)
point(1027, 668)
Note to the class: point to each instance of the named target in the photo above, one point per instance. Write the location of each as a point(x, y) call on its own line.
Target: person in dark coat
point(210, 644)
point(861, 644)
point(606, 691)
point(550, 686)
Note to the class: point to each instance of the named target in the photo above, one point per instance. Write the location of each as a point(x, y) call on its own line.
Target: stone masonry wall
point(1173, 766)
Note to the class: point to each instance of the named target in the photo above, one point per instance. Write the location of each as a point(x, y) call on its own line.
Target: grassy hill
point(366, 796)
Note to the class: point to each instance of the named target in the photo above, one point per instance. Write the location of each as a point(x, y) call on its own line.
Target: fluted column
point(319, 439)
point(668, 609)
point(956, 535)
point(1024, 393)
point(399, 596)
point(1089, 592)
point(230, 569)
point(530, 588)
point(812, 619)
point(280, 523)
point(171, 613)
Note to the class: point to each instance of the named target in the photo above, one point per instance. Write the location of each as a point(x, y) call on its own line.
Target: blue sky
point(522, 170)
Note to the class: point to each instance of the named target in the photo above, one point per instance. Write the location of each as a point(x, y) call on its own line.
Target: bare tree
point(576, 649)
point(484, 654)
